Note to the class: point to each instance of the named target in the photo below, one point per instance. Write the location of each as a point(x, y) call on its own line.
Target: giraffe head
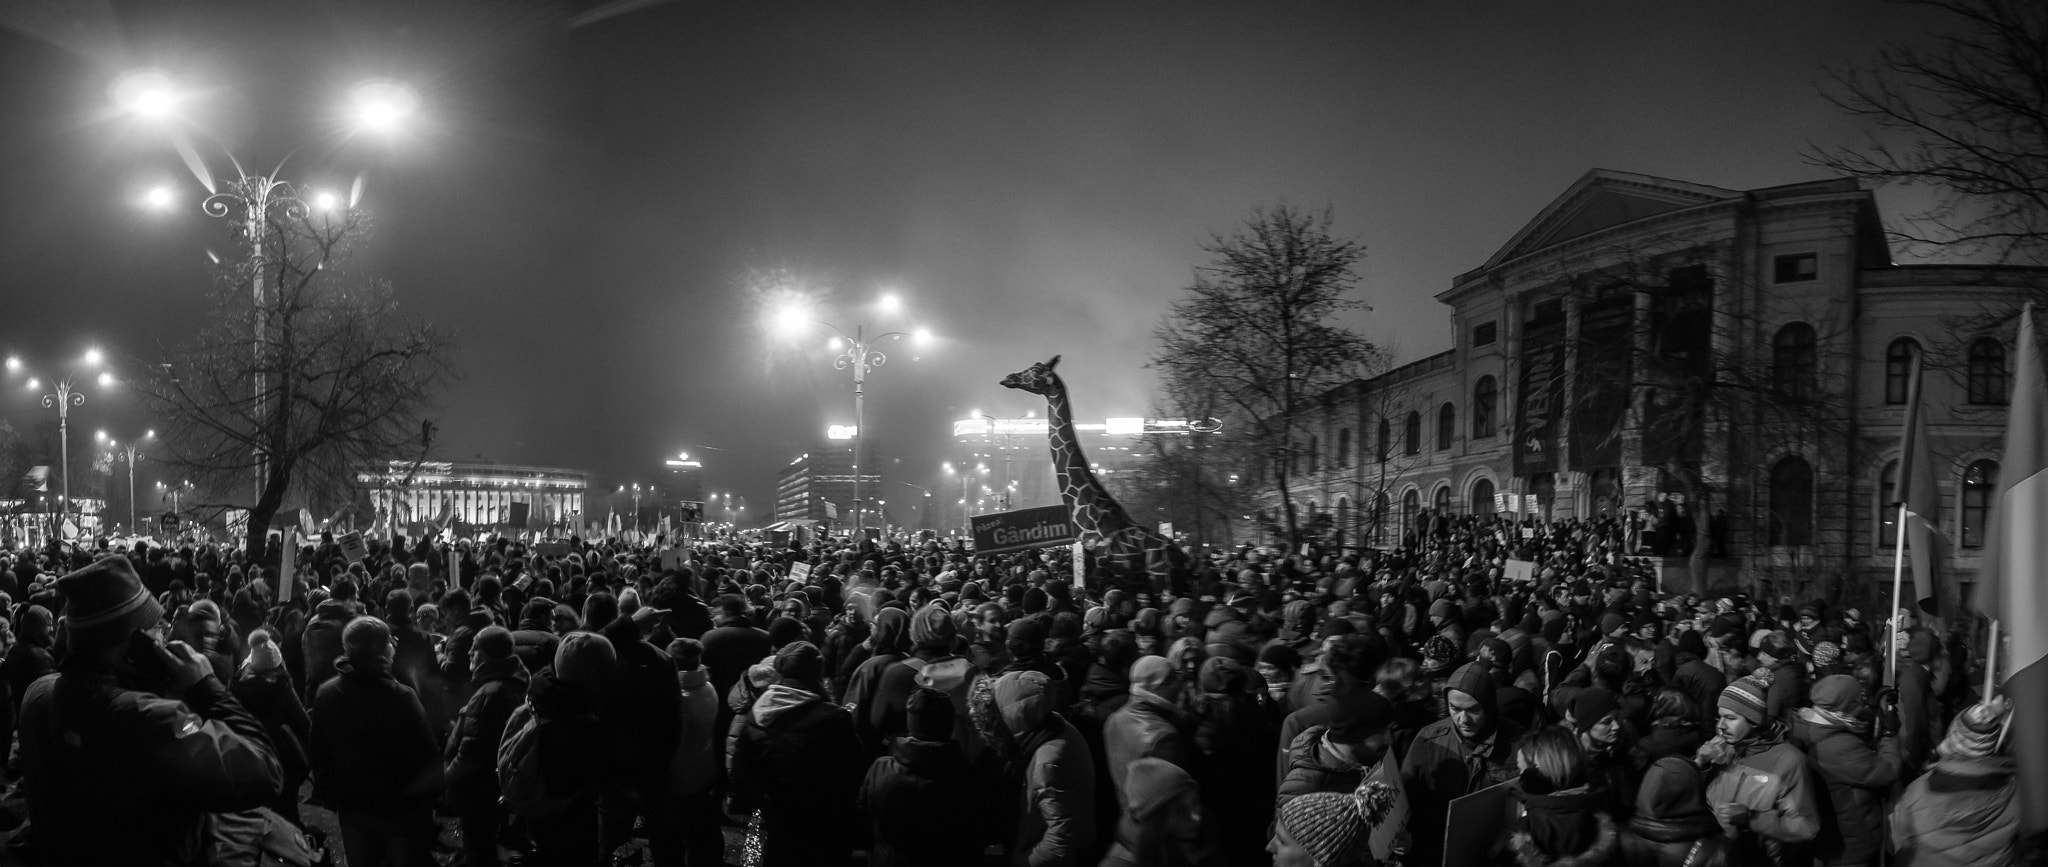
point(1037, 379)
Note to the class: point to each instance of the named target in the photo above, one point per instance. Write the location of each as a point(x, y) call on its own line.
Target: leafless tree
point(1963, 118)
point(1254, 334)
point(345, 380)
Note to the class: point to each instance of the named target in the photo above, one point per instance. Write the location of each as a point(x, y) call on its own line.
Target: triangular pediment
point(1603, 199)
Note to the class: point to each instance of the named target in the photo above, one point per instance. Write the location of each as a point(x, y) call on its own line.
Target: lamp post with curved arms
point(133, 452)
point(861, 354)
point(64, 395)
point(252, 200)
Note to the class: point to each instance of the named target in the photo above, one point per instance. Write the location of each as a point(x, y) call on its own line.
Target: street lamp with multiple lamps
point(860, 353)
point(63, 396)
point(132, 451)
point(253, 199)
point(172, 491)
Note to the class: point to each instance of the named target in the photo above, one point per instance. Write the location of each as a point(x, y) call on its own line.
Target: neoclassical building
point(1642, 332)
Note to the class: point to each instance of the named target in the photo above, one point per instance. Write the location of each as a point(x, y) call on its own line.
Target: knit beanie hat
point(105, 601)
point(800, 661)
point(930, 715)
point(1439, 653)
point(1692, 643)
point(1096, 620)
point(1672, 792)
point(1746, 696)
point(1281, 655)
point(585, 659)
point(1152, 783)
point(786, 630)
point(264, 654)
point(1839, 693)
point(932, 624)
point(1359, 714)
point(1611, 621)
point(494, 641)
point(1826, 653)
point(1333, 827)
point(1477, 682)
point(1974, 734)
point(1223, 676)
point(1590, 705)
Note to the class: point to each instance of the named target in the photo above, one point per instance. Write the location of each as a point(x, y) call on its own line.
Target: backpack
point(520, 775)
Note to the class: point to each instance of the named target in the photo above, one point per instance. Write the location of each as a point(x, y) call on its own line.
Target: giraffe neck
point(1093, 510)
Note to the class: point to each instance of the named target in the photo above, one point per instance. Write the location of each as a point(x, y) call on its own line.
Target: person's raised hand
point(186, 665)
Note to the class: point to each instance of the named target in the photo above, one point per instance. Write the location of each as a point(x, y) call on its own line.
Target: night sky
point(592, 207)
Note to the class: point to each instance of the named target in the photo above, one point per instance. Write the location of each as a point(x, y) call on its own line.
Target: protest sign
point(1022, 529)
point(1478, 823)
point(352, 547)
point(800, 571)
point(1521, 570)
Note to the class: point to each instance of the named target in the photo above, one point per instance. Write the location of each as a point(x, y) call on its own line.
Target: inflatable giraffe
point(1098, 515)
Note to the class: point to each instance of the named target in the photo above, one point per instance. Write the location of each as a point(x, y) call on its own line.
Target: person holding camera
point(134, 736)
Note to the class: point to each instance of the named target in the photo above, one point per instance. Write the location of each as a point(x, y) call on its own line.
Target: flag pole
point(1991, 661)
point(1891, 675)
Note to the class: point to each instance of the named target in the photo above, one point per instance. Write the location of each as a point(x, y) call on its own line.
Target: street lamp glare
point(34, 383)
point(106, 379)
point(13, 363)
point(921, 335)
point(891, 303)
point(325, 200)
point(381, 106)
point(147, 93)
point(92, 356)
point(159, 198)
point(149, 434)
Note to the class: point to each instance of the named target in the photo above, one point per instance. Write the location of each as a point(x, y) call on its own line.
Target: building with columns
point(478, 494)
point(1747, 350)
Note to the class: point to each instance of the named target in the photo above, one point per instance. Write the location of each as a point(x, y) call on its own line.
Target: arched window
point(1791, 502)
point(1898, 369)
point(1411, 510)
point(1315, 453)
point(1987, 371)
point(1414, 434)
point(1484, 396)
point(1379, 516)
point(1344, 519)
point(1443, 500)
point(1342, 457)
point(1888, 506)
point(1386, 448)
point(1446, 425)
point(1793, 361)
point(1482, 498)
point(1979, 481)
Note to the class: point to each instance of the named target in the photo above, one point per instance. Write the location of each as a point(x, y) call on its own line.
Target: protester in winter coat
point(932, 663)
point(576, 760)
point(1454, 757)
point(1761, 791)
point(1559, 821)
point(1151, 724)
point(1672, 826)
point(793, 756)
point(322, 642)
point(920, 801)
point(267, 691)
point(1350, 664)
point(1788, 677)
point(1337, 757)
point(1234, 735)
point(643, 717)
point(694, 772)
point(117, 697)
point(1674, 728)
point(1048, 773)
point(1964, 810)
point(1920, 717)
point(1162, 821)
point(1605, 742)
point(1834, 733)
point(534, 641)
point(887, 640)
point(499, 681)
point(375, 760)
point(27, 660)
point(1702, 683)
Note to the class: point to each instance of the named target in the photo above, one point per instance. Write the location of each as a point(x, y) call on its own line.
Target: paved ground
point(447, 847)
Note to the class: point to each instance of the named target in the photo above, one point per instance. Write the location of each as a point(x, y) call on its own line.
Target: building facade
point(1748, 351)
point(477, 494)
point(818, 486)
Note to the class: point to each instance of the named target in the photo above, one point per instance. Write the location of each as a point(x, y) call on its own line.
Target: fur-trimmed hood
point(1606, 841)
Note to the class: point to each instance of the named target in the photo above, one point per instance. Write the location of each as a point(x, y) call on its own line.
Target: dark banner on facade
point(1025, 528)
point(1540, 411)
point(1603, 375)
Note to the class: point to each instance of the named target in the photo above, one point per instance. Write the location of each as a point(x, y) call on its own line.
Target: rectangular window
point(1485, 333)
point(1796, 268)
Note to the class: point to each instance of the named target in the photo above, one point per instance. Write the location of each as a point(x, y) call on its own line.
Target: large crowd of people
point(909, 702)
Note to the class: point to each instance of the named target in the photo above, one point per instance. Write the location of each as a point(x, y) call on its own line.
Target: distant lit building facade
point(818, 486)
point(992, 456)
point(477, 493)
point(1795, 282)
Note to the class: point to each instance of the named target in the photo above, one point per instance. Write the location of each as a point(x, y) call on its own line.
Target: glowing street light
point(252, 200)
point(133, 452)
point(63, 397)
point(861, 354)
